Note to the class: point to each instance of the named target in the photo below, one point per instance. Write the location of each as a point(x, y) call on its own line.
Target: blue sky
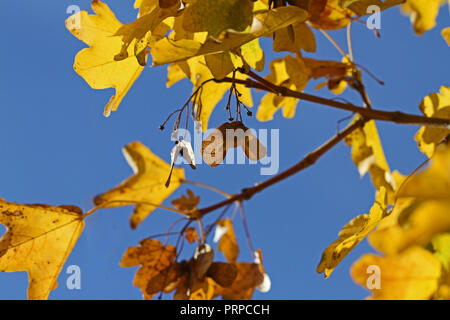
point(57, 148)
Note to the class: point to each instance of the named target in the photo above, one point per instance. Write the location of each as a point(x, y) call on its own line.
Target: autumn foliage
point(215, 45)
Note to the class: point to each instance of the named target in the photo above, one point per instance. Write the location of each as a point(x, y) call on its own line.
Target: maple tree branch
point(306, 162)
point(390, 116)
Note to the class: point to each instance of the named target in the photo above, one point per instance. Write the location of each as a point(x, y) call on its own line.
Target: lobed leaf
point(147, 185)
point(411, 275)
point(38, 240)
point(97, 64)
point(352, 234)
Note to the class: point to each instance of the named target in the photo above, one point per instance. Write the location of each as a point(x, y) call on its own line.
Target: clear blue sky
point(57, 148)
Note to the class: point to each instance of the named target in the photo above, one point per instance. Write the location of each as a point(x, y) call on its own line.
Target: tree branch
point(366, 114)
point(307, 161)
point(390, 116)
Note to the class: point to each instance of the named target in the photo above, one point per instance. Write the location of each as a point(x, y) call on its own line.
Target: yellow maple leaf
point(253, 54)
point(411, 275)
point(264, 23)
point(146, 30)
point(290, 72)
point(270, 103)
point(416, 223)
point(294, 73)
point(39, 238)
point(97, 64)
point(179, 32)
point(147, 185)
point(352, 234)
point(435, 105)
point(177, 71)
point(423, 13)
point(368, 155)
point(303, 38)
point(215, 16)
point(145, 6)
point(422, 209)
point(432, 183)
point(228, 243)
point(220, 64)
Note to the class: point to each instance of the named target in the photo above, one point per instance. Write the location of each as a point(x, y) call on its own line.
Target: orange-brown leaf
point(153, 257)
point(186, 203)
point(191, 235)
point(248, 278)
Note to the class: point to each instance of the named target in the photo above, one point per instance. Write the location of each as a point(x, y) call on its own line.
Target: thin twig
point(389, 116)
point(334, 43)
point(246, 229)
point(306, 162)
point(349, 41)
point(202, 233)
point(221, 215)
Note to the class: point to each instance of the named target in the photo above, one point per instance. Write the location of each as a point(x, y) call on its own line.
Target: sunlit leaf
point(146, 185)
point(215, 16)
point(303, 39)
point(423, 13)
point(441, 248)
point(38, 240)
point(253, 54)
point(167, 51)
point(97, 64)
point(411, 275)
point(228, 243)
point(422, 209)
point(432, 183)
point(435, 105)
point(352, 234)
point(368, 156)
point(290, 72)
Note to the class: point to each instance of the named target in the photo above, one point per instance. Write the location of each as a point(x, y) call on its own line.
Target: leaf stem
point(334, 43)
point(307, 161)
